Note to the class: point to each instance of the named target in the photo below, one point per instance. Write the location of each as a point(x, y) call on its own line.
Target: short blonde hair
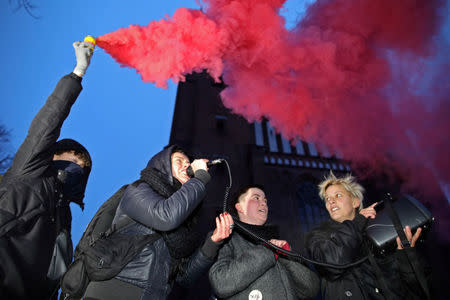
point(348, 182)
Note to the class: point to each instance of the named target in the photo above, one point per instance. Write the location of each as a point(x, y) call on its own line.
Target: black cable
point(227, 189)
point(286, 252)
point(294, 254)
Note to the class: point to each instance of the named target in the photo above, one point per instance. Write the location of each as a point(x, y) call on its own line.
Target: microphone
point(210, 163)
point(214, 162)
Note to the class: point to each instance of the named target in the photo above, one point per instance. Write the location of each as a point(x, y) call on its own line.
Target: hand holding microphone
point(209, 163)
point(199, 164)
point(203, 164)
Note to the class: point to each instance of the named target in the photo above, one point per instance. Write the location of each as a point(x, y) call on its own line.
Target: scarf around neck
point(266, 231)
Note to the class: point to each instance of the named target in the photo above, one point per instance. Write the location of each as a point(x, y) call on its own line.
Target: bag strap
point(411, 255)
point(122, 223)
point(380, 278)
point(395, 220)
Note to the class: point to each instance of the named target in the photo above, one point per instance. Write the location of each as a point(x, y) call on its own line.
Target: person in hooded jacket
point(342, 240)
point(247, 269)
point(164, 201)
point(35, 192)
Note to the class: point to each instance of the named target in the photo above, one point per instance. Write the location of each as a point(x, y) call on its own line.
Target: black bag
point(405, 211)
point(102, 251)
point(382, 232)
point(62, 256)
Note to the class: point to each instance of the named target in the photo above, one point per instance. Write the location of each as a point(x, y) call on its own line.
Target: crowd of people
point(46, 175)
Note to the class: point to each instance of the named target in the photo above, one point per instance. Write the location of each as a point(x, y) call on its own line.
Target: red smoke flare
point(350, 76)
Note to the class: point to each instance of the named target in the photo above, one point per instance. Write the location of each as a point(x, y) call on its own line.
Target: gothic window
point(259, 136)
point(312, 149)
point(299, 148)
point(272, 137)
point(286, 145)
point(312, 209)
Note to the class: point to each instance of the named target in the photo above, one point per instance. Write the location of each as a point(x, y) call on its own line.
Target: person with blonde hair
point(348, 182)
point(341, 240)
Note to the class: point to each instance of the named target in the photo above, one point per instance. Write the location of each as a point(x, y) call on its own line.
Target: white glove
point(83, 53)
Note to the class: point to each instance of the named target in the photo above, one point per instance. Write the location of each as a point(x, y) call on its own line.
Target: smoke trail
point(368, 79)
point(169, 49)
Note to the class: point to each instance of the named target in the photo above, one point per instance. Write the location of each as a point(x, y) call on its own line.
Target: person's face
point(252, 207)
point(69, 156)
point(180, 163)
point(340, 204)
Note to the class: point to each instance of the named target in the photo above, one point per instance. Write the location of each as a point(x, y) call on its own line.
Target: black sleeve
point(35, 153)
point(145, 206)
point(199, 263)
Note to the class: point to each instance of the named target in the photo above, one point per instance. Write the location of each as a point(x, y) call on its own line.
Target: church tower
point(256, 154)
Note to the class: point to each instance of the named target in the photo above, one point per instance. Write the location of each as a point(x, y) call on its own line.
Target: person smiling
point(246, 269)
point(164, 201)
point(341, 241)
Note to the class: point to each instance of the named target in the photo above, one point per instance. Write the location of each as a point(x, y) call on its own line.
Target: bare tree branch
point(25, 4)
point(5, 157)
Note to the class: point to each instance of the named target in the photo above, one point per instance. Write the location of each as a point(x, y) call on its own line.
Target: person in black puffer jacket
point(35, 193)
point(341, 241)
point(164, 200)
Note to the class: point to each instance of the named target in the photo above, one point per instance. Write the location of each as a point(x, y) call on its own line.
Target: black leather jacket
point(29, 188)
point(150, 269)
point(344, 243)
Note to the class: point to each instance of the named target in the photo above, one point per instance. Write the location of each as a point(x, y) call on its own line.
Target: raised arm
point(35, 153)
point(144, 205)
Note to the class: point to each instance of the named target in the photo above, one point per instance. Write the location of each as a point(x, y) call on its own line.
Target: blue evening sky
point(120, 119)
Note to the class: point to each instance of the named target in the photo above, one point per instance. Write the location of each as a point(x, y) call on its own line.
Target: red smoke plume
point(351, 76)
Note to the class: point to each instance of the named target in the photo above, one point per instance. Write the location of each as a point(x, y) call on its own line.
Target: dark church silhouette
point(257, 154)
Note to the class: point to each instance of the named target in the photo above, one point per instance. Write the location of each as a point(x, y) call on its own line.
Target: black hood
point(68, 145)
point(162, 162)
